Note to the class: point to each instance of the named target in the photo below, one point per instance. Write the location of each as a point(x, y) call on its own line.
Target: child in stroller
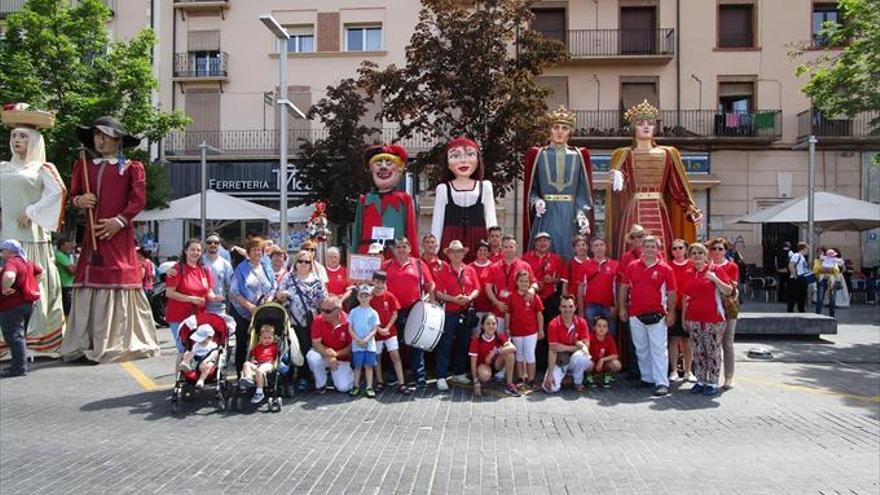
point(262, 362)
point(203, 354)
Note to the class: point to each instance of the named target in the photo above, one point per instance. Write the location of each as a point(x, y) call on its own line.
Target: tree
point(470, 71)
point(332, 168)
point(845, 82)
point(59, 57)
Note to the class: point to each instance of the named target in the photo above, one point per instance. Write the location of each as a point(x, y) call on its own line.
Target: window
point(550, 23)
point(638, 30)
point(736, 97)
point(205, 63)
point(302, 39)
point(735, 28)
point(822, 13)
point(363, 38)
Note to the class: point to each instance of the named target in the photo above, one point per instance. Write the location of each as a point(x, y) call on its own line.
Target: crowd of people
point(508, 317)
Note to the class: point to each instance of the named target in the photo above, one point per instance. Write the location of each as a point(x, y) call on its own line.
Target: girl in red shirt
point(682, 270)
point(703, 315)
point(188, 291)
point(490, 352)
point(526, 327)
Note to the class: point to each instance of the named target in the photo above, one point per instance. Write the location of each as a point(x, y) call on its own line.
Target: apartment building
point(719, 70)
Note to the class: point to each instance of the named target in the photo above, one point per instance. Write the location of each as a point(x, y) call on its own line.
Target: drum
point(424, 326)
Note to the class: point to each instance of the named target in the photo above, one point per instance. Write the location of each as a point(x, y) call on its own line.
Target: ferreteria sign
point(247, 179)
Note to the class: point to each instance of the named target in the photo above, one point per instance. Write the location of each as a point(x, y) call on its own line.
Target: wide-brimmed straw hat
point(455, 246)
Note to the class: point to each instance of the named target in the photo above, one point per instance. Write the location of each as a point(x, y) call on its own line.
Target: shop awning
point(219, 207)
point(832, 212)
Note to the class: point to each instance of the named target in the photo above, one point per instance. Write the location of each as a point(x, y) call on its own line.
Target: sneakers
point(442, 385)
point(245, 383)
point(692, 378)
point(673, 376)
point(591, 381)
point(355, 391)
point(461, 379)
point(258, 397)
point(710, 390)
point(511, 390)
point(606, 380)
point(499, 376)
point(200, 385)
point(661, 390)
point(185, 367)
point(697, 388)
point(370, 393)
point(11, 373)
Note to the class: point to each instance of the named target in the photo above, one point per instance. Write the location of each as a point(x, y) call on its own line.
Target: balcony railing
point(695, 124)
point(605, 43)
point(197, 66)
point(865, 125)
point(266, 142)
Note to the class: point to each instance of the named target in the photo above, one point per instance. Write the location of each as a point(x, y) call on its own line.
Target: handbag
point(468, 316)
point(650, 318)
point(731, 304)
point(302, 299)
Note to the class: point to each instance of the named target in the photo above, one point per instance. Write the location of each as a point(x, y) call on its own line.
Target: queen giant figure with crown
point(649, 187)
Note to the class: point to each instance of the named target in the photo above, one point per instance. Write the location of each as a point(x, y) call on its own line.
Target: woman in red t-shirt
point(188, 290)
point(682, 270)
point(703, 315)
point(718, 248)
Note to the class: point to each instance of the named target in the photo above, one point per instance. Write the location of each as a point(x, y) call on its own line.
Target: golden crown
point(561, 116)
point(642, 111)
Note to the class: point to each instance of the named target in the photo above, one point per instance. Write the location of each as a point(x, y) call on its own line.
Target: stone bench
point(785, 324)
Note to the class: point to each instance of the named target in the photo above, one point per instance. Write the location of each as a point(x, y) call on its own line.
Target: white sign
point(383, 234)
point(362, 266)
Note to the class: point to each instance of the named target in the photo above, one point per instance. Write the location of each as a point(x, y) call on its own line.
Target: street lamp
point(203, 200)
point(283, 104)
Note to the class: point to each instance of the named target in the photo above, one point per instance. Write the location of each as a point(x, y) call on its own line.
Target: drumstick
point(91, 212)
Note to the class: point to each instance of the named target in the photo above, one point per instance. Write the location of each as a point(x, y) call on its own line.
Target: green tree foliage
point(470, 69)
point(332, 168)
point(60, 57)
point(846, 82)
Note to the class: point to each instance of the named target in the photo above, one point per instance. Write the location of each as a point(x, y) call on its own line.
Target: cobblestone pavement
point(806, 422)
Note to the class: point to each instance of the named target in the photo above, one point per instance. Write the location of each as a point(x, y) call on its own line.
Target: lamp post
point(203, 200)
point(283, 104)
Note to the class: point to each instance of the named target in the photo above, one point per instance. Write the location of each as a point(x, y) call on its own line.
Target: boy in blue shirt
point(363, 323)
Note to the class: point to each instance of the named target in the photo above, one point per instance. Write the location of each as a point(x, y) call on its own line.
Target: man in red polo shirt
point(494, 239)
point(331, 347)
point(652, 285)
point(568, 340)
point(599, 299)
point(429, 254)
point(501, 281)
point(549, 270)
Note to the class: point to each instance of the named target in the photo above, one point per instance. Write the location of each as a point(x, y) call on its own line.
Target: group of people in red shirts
point(508, 316)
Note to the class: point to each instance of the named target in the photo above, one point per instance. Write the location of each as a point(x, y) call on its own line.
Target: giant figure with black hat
point(32, 207)
point(385, 206)
point(110, 319)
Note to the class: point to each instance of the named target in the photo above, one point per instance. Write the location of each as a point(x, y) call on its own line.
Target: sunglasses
point(210, 243)
point(328, 311)
point(677, 248)
point(303, 262)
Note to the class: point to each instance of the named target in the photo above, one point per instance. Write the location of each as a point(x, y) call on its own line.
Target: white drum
point(424, 326)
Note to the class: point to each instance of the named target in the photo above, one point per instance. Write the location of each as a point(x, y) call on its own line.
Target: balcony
point(682, 126)
point(9, 6)
point(200, 66)
point(861, 128)
point(264, 142)
point(184, 6)
point(617, 45)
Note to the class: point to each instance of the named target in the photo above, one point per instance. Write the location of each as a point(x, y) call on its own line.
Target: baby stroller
point(184, 385)
point(276, 315)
